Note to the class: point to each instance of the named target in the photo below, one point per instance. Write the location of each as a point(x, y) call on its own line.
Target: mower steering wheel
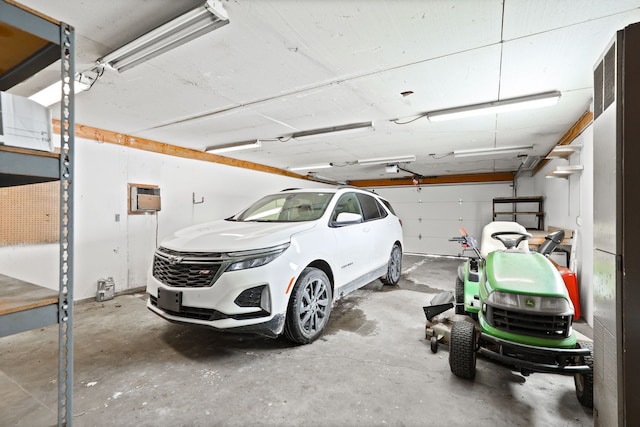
point(513, 242)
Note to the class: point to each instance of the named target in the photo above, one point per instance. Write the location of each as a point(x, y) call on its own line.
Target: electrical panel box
point(144, 199)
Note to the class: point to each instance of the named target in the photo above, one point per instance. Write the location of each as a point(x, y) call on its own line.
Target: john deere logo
point(529, 302)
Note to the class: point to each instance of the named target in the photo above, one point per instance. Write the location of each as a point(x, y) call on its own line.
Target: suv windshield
point(286, 207)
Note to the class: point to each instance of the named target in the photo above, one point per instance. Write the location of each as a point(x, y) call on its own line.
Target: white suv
point(277, 266)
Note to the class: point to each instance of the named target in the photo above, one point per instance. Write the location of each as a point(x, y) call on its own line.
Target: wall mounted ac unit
point(144, 198)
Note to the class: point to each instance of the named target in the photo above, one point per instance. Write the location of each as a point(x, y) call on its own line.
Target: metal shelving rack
point(537, 213)
point(53, 41)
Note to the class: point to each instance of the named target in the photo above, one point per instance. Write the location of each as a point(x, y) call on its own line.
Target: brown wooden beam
point(33, 11)
point(101, 135)
point(435, 180)
point(575, 130)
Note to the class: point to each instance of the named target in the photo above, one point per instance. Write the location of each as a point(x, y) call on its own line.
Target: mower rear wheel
point(459, 296)
point(462, 350)
point(584, 382)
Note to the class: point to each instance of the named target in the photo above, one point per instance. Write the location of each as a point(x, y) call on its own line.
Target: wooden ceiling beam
point(101, 135)
point(435, 180)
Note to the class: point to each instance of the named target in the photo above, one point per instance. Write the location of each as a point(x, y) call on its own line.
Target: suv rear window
point(371, 209)
point(388, 205)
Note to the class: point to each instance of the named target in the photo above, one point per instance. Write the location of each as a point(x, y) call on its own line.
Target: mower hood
point(521, 272)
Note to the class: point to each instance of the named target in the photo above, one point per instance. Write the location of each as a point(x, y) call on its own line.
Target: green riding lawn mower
point(512, 306)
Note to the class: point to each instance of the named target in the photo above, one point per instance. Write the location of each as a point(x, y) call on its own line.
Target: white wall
point(569, 204)
point(123, 249)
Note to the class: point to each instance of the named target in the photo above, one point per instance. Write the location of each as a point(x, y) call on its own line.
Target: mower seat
point(489, 244)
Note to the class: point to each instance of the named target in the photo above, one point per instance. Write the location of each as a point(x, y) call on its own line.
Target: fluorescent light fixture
point(53, 93)
point(314, 176)
point(201, 20)
point(334, 130)
point(513, 104)
point(491, 151)
point(387, 160)
point(236, 146)
point(311, 167)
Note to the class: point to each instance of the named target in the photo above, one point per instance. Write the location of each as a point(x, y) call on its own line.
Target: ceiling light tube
point(236, 146)
point(513, 104)
point(311, 167)
point(201, 20)
point(387, 160)
point(491, 151)
point(314, 176)
point(53, 93)
point(334, 130)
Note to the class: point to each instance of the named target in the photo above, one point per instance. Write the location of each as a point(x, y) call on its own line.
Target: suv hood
point(232, 236)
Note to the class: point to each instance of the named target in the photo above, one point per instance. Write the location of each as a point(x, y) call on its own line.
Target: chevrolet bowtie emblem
point(174, 259)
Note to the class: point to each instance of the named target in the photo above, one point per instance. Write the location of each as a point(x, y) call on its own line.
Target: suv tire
point(394, 267)
point(309, 306)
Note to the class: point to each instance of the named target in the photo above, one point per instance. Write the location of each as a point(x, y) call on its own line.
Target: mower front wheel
point(462, 350)
point(584, 382)
point(434, 344)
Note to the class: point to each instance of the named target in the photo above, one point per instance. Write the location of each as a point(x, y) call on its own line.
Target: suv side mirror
point(345, 218)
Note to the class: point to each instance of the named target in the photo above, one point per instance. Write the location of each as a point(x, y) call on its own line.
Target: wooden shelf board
point(18, 295)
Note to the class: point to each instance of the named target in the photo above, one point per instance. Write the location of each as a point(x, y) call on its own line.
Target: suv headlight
point(540, 304)
point(255, 258)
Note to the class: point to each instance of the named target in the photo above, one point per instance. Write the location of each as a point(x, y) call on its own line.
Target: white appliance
point(24, 123)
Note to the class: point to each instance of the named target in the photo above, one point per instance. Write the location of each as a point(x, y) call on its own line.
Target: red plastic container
point(571, 282)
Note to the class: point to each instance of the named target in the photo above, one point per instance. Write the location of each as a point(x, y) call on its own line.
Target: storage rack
point(37, 41)
point(538, 212)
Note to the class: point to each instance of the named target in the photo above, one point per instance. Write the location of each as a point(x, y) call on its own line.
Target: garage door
point(432, 215)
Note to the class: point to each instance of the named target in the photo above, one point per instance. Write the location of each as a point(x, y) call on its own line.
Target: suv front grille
point(532, 324)
point(186, 269)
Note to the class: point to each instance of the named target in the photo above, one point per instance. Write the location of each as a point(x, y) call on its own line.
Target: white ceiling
point(284, 66)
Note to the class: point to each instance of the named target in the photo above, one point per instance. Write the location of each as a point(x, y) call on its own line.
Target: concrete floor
point(373, 366)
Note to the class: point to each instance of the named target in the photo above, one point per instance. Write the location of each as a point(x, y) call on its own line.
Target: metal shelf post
point(65, 313)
